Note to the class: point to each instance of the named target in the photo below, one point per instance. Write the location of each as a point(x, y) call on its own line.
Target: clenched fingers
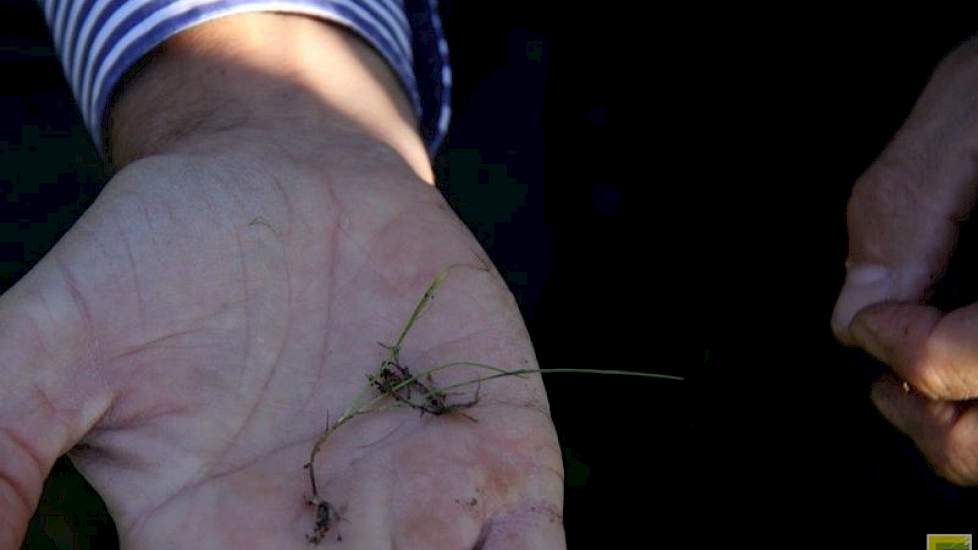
point(935, 353)
point(946, 432)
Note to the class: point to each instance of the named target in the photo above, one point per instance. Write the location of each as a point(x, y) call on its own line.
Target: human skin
point(903, 219)
point(273, 218)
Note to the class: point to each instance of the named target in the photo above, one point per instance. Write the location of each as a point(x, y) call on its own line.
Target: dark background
point(661, 195)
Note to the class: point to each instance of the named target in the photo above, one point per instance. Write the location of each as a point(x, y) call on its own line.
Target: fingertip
point(895, 397)
point(865, 285)
point(899, 334)
point(867, 331)
point(886, 394)
point(882, 389)
point(921, 418)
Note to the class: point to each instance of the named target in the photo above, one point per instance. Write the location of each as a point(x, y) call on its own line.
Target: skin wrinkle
point(330, 301)
point(322, 360)
point(364, 250)
point(152, 343)
point(395, 220)
point(133, 422)
point(94, 347)
point(288, 318)
point(271, 373)
point(272, 368)
point(397, 483)
point(196, 321)
point(365, 253)
point(54, 413)
point(332, 291)
point(247, 296)
point(369, 260)
point(36, 330)
point(203, 476)
point(213, 475)
point(289, 299)
point(140, 302)
point(148, 219)
point(289, 210)
point(955, 377)
point(139, 519)
point(205, 197)
point(21, 489)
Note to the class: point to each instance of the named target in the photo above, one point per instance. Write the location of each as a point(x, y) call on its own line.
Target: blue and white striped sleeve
point(98, 40)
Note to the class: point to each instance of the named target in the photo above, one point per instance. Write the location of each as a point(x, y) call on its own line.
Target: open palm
point(219, 308)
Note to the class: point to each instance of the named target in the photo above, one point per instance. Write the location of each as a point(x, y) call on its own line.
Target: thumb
point(904, 212)
point(936, 353)
point(48, 396)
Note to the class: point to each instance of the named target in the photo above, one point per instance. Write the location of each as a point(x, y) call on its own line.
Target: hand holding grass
point(189, 337)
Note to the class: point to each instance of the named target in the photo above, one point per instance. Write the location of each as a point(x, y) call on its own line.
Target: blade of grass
point(357, 407)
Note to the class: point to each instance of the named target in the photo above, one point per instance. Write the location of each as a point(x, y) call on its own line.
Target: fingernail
point(865, 285)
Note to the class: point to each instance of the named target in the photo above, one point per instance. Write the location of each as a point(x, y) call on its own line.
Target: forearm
point(308, 84)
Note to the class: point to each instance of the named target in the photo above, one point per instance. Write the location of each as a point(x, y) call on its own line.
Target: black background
point(661, 194)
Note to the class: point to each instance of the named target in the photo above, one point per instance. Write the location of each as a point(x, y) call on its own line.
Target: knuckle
point(890, 187)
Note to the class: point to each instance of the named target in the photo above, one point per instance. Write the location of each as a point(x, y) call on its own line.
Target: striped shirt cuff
point(97, 41)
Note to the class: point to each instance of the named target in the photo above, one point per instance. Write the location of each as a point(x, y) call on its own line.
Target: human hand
point(188, 337)
point(903, 219)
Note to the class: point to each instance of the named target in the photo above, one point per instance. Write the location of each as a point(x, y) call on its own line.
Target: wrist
point(308, 85)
